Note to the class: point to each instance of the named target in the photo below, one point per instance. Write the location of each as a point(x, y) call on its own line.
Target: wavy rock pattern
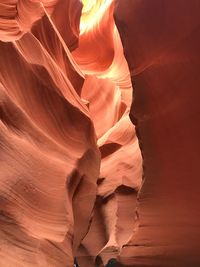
point(71, 188)
point(70, 160)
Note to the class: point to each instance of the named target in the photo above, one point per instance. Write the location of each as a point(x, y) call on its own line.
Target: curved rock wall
point(70, 160)
point(94, 96)
point(161, 43)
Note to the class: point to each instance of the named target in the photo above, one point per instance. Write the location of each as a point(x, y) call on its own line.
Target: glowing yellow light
point(88, 4)
point(92, 12)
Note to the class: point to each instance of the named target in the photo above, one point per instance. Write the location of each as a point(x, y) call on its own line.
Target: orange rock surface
point(99, 109)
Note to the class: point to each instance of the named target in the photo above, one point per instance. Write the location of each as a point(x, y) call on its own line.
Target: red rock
point(71, 166)
point(161, 40)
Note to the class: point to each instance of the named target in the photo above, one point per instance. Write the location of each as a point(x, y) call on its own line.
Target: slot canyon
point(99, 133)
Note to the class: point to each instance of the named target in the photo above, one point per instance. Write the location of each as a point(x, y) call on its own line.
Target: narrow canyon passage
point(99, 133)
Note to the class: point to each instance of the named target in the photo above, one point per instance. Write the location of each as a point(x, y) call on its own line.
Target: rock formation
point(99, 133)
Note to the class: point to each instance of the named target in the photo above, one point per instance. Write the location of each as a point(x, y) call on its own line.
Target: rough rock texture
point(161, 42)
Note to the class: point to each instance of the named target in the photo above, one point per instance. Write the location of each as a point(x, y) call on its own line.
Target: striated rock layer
point(48, 146)
point(70, 160)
